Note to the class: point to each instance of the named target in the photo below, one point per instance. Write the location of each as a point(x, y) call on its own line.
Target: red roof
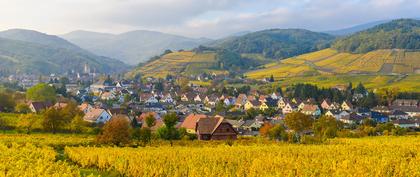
point(191, 120)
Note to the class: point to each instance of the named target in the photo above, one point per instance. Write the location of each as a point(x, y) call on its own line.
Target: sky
point(197, 18)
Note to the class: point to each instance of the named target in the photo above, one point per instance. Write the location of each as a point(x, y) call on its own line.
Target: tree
point(53, 120)
point(278, 132)
point(22, 108)
point(388, 95)
point(298, 122)
point(360, 89)
point(143, 135)
point(326, 127)
point(265, 129)
point(169, 132)
point(150, 121)
point(41, 92)
point(116, 132)
point(7, 103)
point(78, 125)
point(26, 122)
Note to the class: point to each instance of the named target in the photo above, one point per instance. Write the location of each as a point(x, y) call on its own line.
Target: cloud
point(209, 18)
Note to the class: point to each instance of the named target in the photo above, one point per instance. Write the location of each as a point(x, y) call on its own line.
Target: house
point(60, 105)
point(188, 97)
point(107, 96)
point(398, 114)
point(334, 106)
point(272, 103)
point(281, 103)
point(325, 105)
point(251, 125)
point(143, 97)
point(97, 116)
point(152, 100)
point(353, 118)
point(240, 101)
point(167, 98)
point(198, 98)
point(190, 122)
point(405, 102)
point(38, 106)
point(381, 109)
point(85, 107)
point(211, 100)
point(412, 111)
point(289, 108)
point(229, 101)
point(404, 123)
point(275, 96)
point(379, 117)
point(252, 104)
point(215, 128)
point(362, 111)
point(142, 120)
point(337, 114)
point(346, 106)
point(236, 124)
point(311, 109)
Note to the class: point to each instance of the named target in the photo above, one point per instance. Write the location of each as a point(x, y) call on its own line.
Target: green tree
point(7, 103)
point(278, 132)
point(41, 92)
point(78, 125)
point(22, 108)
point(169, 132)
point(150, 121)
point(326, 127)
point(53, 120)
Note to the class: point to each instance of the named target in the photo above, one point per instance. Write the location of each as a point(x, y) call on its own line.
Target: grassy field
point(331, 62)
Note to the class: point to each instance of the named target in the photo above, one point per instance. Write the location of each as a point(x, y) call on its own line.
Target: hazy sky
point(197, 18)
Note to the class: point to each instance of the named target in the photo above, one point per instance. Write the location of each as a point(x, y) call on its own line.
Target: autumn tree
point(116, 131)
point(26, 122)
point(298, 122)
point(265, 129)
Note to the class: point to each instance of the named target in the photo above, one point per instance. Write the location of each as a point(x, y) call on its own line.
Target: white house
point(97, 116)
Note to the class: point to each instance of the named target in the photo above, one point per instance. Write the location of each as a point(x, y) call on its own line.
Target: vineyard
point(379, 156)
point(332, 62)
point(371, 156)
point(30, 160)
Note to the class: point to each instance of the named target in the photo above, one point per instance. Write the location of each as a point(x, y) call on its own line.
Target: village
point(214, 112)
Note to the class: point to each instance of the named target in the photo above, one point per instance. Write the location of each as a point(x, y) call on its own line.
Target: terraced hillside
point(185, 62)
point(332, 62)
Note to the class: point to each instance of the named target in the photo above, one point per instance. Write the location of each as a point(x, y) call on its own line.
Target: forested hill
point(277, 43)
point(397, 34)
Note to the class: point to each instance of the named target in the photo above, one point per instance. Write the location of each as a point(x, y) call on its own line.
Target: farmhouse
point(190, 122)
point(215, 128)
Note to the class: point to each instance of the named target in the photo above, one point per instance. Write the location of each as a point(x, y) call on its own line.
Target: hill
point(25, 51)
point(355, 29)
point(397, 34)
point(132, 47)
point(276, 43)
point(332, 62)
point(198, 61)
